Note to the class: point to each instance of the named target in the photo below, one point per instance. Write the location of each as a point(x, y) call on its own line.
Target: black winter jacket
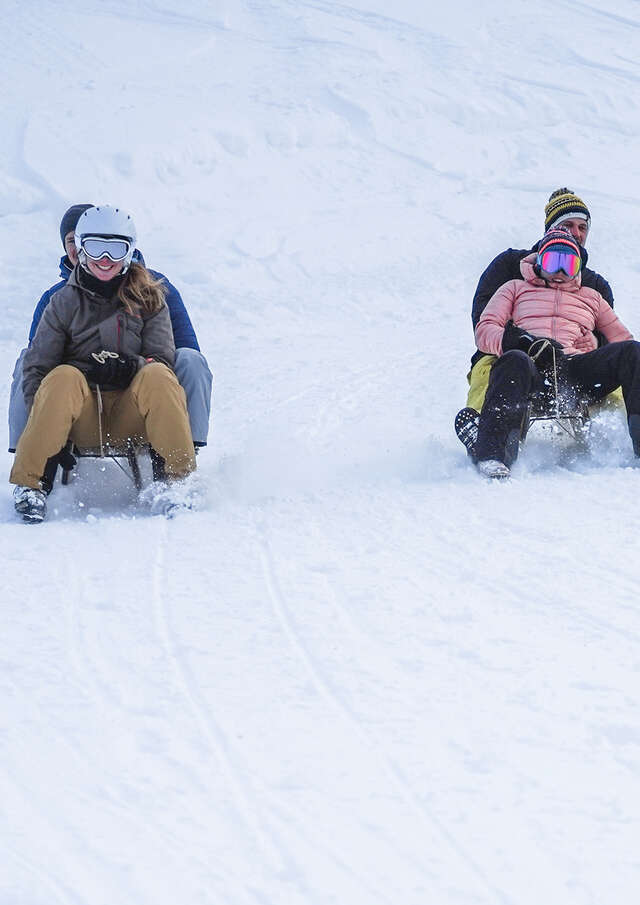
point(507, 267)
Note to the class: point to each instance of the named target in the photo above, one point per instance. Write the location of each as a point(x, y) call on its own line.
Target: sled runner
point(561, 419)
point(129, 452)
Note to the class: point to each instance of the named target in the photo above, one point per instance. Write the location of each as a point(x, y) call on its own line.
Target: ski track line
point(111, 801)
point(369, 741)
point(282, 813)
point(351, 627)
point(286, 816)
point(281, 860)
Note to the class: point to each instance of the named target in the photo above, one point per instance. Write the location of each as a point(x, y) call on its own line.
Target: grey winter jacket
point(77, 322)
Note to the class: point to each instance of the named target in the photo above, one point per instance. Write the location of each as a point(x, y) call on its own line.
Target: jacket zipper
point(556, 313)
point(119, 334)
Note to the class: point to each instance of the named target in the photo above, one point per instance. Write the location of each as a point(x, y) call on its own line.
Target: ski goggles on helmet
point(554, 261)
point(96, 247)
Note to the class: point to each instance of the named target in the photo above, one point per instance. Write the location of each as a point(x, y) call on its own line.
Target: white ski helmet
point(108, 222)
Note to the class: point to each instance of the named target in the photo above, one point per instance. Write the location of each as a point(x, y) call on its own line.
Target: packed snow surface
point(358, 673)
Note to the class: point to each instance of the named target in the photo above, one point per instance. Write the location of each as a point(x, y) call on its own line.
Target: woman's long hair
point(139, 292)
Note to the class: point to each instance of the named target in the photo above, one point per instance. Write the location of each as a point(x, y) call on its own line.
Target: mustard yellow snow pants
point(152, 409)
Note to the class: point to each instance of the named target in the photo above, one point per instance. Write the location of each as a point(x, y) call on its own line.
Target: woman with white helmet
point(100, 364)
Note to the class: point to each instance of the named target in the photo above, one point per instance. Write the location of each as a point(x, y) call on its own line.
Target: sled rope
point(100, 410)
point(555, 381)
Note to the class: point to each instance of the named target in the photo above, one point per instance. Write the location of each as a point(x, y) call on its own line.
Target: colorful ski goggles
point(554, 261)
point(96, 247)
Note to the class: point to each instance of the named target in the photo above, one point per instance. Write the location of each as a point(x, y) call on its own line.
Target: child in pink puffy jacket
point(547, 323)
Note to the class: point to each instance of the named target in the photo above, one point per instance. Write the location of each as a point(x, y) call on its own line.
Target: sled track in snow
point(271, 833)
point(88, 676)
point(370, 742)
point(278, 858)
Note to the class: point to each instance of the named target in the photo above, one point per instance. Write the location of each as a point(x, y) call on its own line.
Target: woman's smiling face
point(104, 269)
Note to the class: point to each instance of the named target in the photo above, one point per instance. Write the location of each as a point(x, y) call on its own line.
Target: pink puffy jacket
point(569, 314)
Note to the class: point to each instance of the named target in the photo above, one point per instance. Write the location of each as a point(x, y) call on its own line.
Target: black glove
point(546, 352)
point(516, 338)
point(66, 459)
point(112, 369)
point(539, 348)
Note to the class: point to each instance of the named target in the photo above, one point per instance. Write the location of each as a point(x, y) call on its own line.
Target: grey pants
point(191, 370)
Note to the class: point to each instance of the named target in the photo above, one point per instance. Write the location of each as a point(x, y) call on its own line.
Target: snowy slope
point(358, 674)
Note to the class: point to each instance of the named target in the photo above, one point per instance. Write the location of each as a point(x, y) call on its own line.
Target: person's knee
point(631, 350)
point(514, 361)
point(514, 355)
point(154, 377)
point(154, 372)
point(188, 356)
point(512, 378)
point(66, 376)
point(17, 368)
point(190, 364)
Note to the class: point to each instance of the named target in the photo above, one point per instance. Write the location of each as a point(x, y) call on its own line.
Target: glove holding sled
point(545, 352)
point(112, 369)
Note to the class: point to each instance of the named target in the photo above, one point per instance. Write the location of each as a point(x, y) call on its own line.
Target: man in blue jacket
point(190, 365)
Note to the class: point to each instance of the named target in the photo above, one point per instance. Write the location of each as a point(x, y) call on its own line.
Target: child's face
point(558, 278)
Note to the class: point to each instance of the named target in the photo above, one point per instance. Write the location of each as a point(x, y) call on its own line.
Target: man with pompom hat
point(564, 208)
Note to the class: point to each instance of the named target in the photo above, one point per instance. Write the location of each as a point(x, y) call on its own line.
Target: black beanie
point(70, 219)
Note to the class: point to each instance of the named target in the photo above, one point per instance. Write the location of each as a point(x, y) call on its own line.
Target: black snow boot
point(30, 504)
point(466, 425)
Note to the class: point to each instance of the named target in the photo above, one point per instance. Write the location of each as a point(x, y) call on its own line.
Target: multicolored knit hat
point(564, 205)
point(559, 239)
